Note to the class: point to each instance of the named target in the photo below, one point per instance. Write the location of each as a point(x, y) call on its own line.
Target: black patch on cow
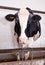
point(33, 26)
point(30, 11)
point(17, 27)
point(36, 17)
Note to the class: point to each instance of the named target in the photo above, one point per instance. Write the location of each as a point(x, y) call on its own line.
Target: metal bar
point(22, 49)
point(17, 9)
point(36, 11)
point(9, 8)
point(35, 53)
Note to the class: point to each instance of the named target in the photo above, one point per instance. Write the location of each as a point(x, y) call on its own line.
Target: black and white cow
point(27, 26)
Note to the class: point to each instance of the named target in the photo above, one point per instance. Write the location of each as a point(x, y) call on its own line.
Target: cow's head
point(27, 26)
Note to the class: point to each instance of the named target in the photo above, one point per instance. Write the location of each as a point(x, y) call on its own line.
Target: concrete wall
point(6, 39)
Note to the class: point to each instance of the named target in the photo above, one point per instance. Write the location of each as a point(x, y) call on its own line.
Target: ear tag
point(11, 17)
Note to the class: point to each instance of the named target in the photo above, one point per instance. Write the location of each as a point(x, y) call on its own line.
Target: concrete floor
point(32, 62)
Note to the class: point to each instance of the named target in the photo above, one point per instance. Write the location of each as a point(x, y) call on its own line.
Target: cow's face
point(26, 26)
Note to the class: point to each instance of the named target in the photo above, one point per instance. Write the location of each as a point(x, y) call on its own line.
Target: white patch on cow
point(23, 16)
point(36, 36)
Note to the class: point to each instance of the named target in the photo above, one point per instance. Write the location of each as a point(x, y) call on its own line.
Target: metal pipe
point(17, 9)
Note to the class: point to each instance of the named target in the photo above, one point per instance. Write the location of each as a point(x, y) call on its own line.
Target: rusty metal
point(35, 53)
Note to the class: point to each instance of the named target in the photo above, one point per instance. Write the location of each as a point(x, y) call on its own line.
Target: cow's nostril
point(21, 42)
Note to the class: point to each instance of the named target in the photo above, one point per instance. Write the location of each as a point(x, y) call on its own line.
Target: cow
point(27, 27)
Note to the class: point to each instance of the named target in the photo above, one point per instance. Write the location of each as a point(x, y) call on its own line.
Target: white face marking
point(23, 18)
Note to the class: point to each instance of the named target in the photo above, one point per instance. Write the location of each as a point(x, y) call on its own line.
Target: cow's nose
point(22, 41)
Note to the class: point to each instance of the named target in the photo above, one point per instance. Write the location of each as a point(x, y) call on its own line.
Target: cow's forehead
point(23, 17)
point(23, 12)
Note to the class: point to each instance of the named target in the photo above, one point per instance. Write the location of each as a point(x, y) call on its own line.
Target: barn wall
point(33, 4)
point(6, 39)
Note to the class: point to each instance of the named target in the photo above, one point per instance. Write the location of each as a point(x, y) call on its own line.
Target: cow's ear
point(36, 17)
point(9, 17)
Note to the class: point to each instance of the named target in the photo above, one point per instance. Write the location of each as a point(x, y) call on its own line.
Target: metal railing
point(17, 9)
point(11, 54)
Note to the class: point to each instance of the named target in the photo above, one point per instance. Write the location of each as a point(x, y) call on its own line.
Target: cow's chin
point(27, 42)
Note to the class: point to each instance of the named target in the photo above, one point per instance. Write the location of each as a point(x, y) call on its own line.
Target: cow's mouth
point(22, 45)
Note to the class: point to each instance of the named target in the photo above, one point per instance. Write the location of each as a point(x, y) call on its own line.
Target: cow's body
point(27, 27)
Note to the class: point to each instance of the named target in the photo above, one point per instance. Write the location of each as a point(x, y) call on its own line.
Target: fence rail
point(17, 9)
point(10, 54)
